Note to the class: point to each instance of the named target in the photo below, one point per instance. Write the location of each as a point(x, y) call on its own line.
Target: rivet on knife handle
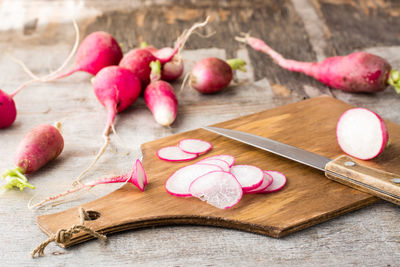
point(376, 182)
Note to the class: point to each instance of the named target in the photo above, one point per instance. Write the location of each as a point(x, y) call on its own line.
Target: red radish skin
point(160, 97)
point(195, 146)
point(211, 75)
point(279, 181)
point(218, 188)
point(361, 133)
point(249, 176)
point(174, 154)
point(267, 181)
point(178, 183)
point(8, 111)
point(38, 147)
point(359, 72)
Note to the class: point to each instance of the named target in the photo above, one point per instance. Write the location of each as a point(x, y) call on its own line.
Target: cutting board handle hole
point(92, 215)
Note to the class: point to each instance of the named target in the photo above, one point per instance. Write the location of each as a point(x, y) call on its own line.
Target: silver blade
point(287, 151)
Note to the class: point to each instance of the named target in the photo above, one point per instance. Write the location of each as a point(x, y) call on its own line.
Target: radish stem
point(15, 178)
point(394, 80)
point(237, 64)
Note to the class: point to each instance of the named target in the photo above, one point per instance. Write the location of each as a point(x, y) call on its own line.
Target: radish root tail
point(184, 82)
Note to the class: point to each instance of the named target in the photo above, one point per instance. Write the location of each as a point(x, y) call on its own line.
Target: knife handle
point(382, 184)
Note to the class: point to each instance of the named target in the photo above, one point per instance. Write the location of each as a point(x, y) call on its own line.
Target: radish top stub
point(361, 133)
point(174, 153)
point(194, 146)
point(178, 183)
point(248, 176)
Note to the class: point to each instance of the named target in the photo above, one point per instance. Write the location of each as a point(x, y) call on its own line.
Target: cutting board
point(307, 199)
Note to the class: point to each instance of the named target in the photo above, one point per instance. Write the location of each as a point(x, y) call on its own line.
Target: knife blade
point(344, 169)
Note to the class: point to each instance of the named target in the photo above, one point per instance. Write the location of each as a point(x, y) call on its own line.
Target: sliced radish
point(361, 133)
point(178, 183)
point(267, 181)
point(139, 178)
point(228, 158)
point(248, 176)
point(279, 181)
point(219, 162)
point(174, 153)
point(194, 146)
point(220, 189)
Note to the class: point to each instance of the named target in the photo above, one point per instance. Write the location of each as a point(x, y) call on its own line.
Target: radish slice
point(139, 178)
point(267, 181)
point(194, 146)
point(250, 177)
point(228, 158)
point(279, 181)
point(361, 133)
point(178, 183)
point(220, 189)
point(219, 162)
point(174, 153)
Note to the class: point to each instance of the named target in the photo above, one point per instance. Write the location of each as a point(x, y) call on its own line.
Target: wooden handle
point(382, 184)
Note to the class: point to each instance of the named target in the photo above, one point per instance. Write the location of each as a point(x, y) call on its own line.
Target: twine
point(63, 236)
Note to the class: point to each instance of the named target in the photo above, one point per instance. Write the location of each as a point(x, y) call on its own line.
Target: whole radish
point(359, 72)
point(39, 146)
point(160, 97)
point(8, 111)
point(116, 88)
point(211, 75)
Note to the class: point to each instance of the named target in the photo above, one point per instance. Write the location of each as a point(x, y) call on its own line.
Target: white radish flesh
point(139, 178)
point(219, 162)
point(248, 176)
point(220, 189)
point(228, 158)
point(178, 183)
point(267, 181)
point(361, 133)
point(194, 146)
point(279, 181)
point(174, 153)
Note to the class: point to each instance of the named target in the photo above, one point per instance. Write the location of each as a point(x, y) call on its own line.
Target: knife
point(343, 169)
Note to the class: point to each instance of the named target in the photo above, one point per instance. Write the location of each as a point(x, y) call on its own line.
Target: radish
point(136, 176)
point(220, 189)
point(160, 97)
point(194, 146)
point(359, 72)
point(361, 133)
point(178, 183)
point(173, 69)
point(219, 162)
point(39, 146)
point(211, 75)
point(138, 60)
point(248, 176)
point(267, 181)
point(279, 181)
point(227, 158)
point(116, 89)
point(174, 153)
point(8, 111)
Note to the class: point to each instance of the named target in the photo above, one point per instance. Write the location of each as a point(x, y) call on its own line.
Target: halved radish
point(219, 162)
point(267, 181)
point(279, 181)
point(139, 178)
point(194, 146)
point(228, 158)
point(174, 153)
point(361, 133)
point(220, 189)
point(248, 176)
point(178, 183)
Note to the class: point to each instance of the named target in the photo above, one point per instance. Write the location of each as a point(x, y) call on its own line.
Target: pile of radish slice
point(216, 179)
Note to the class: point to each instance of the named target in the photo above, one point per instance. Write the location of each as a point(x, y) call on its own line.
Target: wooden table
point(40, 33)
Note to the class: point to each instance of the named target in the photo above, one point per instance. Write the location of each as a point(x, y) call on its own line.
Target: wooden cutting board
point(307, 199)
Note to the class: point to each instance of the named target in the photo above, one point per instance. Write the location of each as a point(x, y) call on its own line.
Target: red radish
point(267, 181)
point(211, 75)
point(361, 133)
point(8, 111)
point(359, 72)
point(219, 162)
point(39, 146)
point(249, 177)
point(116, 89)
point(160, 97)
point(194, 146)
point(220, 189)
point(174, 153)
point(279, 181)
point(173, 69)
point(228, 158)
point(136, 176)
point(178, 183)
